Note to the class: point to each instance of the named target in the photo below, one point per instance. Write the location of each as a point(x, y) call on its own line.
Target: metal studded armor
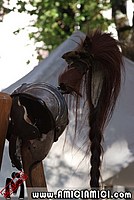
point(39, 115)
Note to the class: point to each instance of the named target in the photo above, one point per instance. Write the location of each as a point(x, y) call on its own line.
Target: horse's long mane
point(98, 62)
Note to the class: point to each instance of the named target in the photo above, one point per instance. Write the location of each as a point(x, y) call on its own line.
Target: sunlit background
point(17, 52)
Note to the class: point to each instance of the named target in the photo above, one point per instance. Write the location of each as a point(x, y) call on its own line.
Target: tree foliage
point(56, 20)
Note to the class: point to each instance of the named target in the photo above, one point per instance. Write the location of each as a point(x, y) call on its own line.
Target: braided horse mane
point(97, 62)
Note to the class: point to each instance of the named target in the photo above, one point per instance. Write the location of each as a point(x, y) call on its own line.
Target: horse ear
point(87, 44)
point(71, 56)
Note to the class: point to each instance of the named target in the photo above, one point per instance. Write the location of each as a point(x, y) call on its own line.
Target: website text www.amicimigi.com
point(82, 194)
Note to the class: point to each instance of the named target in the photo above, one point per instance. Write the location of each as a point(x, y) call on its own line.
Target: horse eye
point(62, 86)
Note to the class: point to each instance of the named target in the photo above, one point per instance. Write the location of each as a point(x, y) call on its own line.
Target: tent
point(65, 166)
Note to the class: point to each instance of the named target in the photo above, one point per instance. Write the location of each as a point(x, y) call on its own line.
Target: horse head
point(97, 62)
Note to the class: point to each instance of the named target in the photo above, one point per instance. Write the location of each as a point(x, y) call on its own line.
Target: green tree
point(125, 31)
point(58, 19)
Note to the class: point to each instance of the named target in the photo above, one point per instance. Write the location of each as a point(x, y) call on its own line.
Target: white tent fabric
point(64, 168)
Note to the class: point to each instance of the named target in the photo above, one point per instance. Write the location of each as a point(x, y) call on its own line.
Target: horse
point(95, 68)
point(93, 73)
